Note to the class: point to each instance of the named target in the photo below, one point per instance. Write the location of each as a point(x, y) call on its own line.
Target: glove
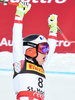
point(23, 8)
point(52, 22)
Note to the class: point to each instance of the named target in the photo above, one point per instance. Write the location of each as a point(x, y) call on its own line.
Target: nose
point(46, 53)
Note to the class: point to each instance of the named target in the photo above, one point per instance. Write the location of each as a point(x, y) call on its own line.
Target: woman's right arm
point(18, 53)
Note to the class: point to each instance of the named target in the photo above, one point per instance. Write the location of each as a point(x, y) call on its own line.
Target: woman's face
point(41, 58)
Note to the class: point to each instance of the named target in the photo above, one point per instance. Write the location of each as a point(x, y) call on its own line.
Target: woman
point(29, 54)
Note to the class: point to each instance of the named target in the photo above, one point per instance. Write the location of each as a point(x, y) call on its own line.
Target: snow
point(60, 83)
point(59, 62)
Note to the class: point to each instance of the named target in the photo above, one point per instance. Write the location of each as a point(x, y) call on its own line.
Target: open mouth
point(44, 58)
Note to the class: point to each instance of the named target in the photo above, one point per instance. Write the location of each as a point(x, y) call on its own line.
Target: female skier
point(29, 54)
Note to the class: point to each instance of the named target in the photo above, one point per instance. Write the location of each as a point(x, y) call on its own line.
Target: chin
point(41, 63)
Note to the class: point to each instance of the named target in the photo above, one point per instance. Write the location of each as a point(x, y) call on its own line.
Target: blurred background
point(60, 84)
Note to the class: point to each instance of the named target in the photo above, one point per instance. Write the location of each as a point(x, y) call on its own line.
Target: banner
point(36, 22)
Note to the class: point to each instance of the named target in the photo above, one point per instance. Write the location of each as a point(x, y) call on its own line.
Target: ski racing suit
point(29, 78)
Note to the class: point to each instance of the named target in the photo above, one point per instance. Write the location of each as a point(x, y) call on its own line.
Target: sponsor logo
point(31, 44)
point(5, 42)
point(38, 95)
point(63, 43)
point(38, 1)
point(35, 68)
